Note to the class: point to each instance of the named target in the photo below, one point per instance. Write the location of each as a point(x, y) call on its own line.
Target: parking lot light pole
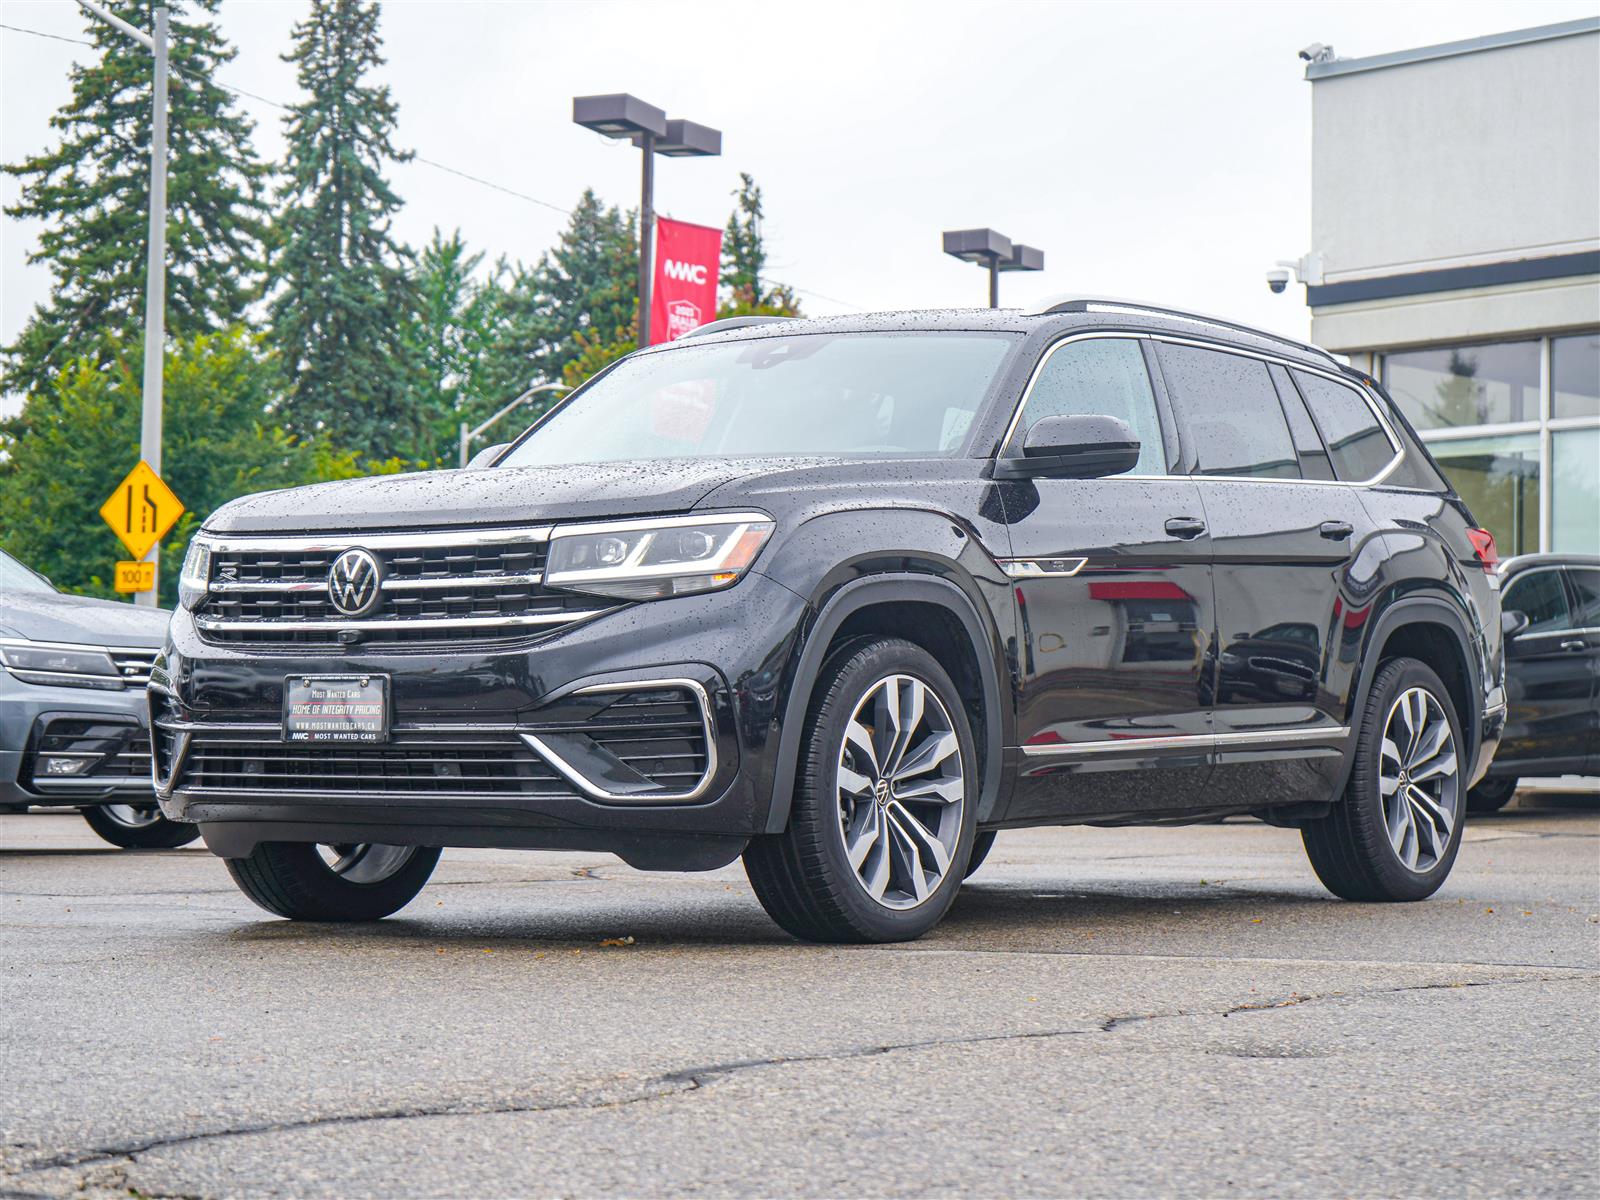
point(619, 115)
point(156, 262)
point(994, 252)
point(468, 434)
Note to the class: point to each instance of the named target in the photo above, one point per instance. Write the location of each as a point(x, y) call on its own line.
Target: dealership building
point(1456, 256)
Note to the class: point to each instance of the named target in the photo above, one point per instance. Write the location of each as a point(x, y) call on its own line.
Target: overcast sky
point(1159, 151)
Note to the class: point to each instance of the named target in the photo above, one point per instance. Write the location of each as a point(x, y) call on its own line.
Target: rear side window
point(1540, 595)
point(1231, 413)
point(1586, 591)
point(1098, 376)
point(1356, 442)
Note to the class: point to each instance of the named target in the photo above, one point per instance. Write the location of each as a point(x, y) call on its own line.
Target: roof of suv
point(1063, 316)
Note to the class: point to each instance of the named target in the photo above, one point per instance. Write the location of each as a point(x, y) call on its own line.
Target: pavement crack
point(692, 1079)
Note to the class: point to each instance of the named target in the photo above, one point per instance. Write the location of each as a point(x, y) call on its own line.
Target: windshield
point(14, 577)
point(850, 394)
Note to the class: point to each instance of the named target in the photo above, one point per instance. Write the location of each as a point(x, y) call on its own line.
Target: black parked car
point(846, 597)
point(1552, 624)
point(72, 708)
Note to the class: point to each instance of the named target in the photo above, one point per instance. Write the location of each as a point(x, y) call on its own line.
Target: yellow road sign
point(135, 576)
point(141, 510)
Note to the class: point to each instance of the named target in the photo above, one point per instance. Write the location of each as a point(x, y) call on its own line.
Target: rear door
point(1112, 580)
point(1283, 537)
point(1550, 722)
point(1584, 586)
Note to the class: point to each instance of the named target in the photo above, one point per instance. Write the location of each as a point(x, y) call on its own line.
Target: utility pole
point(156, 263)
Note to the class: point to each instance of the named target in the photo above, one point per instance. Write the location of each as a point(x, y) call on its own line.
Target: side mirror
point(486, 456)
point(1077, 447)
point(1512, 623)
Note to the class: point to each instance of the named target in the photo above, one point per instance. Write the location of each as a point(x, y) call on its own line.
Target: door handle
point(1336, 531)
point(1575, 644)
point(1185, 527)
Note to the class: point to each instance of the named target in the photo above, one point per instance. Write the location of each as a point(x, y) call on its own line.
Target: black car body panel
point(1552, 667)
point(1110, 637)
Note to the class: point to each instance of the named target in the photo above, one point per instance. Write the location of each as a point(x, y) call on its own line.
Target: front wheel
point(1395, 834)
point(355, 882)
point(139, 827)
point(885, 803)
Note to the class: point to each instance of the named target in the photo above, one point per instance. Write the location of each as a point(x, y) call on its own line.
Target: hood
point(55, 617)
point(497, 496)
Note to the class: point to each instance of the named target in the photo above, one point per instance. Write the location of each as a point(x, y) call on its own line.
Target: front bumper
point(506, 746)
point(105, 731)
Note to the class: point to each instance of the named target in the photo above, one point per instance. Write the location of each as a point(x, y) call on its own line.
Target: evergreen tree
point(342, 298)
point(587, 284)
point(744, 259)
point(456, 340)
point(92, 192)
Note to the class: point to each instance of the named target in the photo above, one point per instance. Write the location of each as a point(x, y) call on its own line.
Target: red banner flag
point(684, 295)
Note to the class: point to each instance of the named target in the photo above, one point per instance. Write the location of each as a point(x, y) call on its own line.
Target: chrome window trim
point(1189, 740)
point(593, 791)
point(249, 543)
point(1224, 348)
point(1529, 637)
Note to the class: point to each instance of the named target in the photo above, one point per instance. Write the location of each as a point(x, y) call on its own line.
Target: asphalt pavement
point(1137, 1012)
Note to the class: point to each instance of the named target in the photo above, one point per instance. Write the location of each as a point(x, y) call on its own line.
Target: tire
point(981, 845)
point(1352, 849)
point(139, 827)
point(362, 883)
point(1491, 795)
point(803, 876)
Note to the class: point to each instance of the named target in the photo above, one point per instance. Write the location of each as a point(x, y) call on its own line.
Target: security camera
point(1317, 52)
point(1277, 280)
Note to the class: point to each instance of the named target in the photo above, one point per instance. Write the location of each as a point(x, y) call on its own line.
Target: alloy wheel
point(365, 862)
point(901, 790)
point(133, 816)
point(1419, 780)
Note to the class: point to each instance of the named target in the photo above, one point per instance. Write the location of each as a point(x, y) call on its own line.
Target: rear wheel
point(1395, 834)
point(139, 827)
point(885, 803)
point(1492, 795)
point(348, 882)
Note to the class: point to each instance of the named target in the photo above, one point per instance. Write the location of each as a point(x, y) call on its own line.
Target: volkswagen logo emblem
point(353, 583)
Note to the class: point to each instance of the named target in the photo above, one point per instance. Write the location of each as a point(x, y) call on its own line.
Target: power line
point(434, 163)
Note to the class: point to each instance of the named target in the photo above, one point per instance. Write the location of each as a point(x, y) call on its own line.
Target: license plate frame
point(350, 709)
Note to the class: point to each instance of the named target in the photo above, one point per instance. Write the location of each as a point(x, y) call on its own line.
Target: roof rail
point(728, 323)
point(1083, 304)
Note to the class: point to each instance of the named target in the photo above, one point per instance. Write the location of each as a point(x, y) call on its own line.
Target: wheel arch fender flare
point(850, 598)
point(1422, 610)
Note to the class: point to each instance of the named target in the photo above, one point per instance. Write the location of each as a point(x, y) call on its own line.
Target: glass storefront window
point(1575, 376)
point(1575, 491)
point(1451, 386)
point(1499, 480)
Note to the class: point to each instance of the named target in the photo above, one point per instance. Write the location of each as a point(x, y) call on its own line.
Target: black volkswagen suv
point(845, 597)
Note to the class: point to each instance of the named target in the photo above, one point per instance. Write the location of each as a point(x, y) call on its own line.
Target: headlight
point(652, 559)
point(196, 574)
point(55, 665)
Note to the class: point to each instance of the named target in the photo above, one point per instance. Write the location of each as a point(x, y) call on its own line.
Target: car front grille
point(657, 736)
point(106, 750)
point(133, 665)
point(434, 588)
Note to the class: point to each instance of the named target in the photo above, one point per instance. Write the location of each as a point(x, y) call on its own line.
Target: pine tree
point(744, 258)
point(587, 284)
point(342, 299)
point(92, 191)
